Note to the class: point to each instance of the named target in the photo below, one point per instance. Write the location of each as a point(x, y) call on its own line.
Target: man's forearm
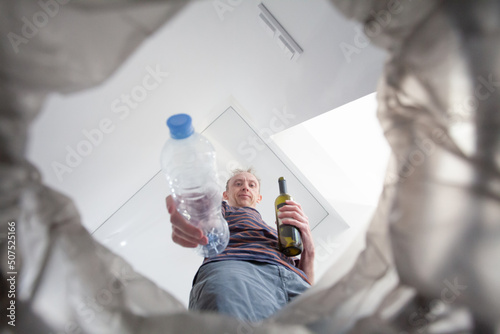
point(306, 264)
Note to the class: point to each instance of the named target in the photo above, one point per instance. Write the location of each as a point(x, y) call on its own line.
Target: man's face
point(243, 190)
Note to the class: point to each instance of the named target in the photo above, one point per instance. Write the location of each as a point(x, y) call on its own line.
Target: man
point(251, 279)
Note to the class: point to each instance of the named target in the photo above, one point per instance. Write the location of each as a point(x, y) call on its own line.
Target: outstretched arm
point(183, 233)
point(292, 214)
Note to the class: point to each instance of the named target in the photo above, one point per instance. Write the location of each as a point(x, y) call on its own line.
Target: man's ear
point(224, 196)
point(259, 198)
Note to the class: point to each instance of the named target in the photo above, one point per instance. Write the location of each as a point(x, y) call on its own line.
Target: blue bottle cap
point(180, 126)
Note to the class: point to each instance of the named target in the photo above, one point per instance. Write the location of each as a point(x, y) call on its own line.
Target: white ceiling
point(102, 146)
point(243, 147)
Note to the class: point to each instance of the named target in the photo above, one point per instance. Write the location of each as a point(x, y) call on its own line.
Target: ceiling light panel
point(274, 29)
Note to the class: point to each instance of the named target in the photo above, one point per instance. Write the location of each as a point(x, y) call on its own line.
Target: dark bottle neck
point(282, 184)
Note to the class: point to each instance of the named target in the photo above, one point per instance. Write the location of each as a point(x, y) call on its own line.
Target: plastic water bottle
point(188, 162)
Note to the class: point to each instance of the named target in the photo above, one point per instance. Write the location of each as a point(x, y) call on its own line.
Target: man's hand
point(292, 214)
point(183, 233)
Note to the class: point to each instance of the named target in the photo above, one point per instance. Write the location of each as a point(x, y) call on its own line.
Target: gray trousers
point(247, 290)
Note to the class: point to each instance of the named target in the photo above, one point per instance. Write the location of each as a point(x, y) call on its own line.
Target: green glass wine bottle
point(289, 240)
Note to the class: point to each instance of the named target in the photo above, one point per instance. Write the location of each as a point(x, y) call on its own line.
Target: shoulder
point(224, 208)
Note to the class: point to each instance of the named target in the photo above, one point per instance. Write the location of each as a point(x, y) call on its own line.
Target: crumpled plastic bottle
point(188, 161)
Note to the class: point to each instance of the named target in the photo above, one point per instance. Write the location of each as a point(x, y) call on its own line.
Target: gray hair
point(237, 171)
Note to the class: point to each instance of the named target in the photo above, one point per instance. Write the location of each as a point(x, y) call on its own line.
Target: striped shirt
point(251, 239)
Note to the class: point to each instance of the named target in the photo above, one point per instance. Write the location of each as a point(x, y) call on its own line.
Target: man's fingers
point(293, 210)
point(184, 240)
point(187, 239)
point(180, 222)
point(182, 225)
point(293, 214)
point(170, 204)
point(183, 233)
point(293, 203)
